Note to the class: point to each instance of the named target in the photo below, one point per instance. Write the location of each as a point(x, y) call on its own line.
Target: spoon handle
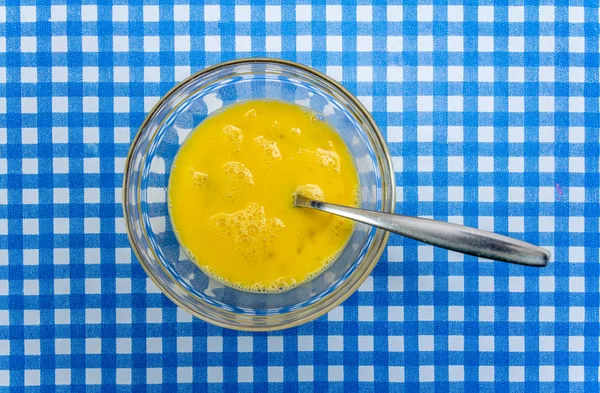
point(454, 237)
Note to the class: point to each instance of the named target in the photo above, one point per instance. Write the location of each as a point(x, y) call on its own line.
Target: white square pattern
point(490, 127)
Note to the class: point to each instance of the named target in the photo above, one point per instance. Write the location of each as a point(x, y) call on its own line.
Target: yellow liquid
point(232, 188)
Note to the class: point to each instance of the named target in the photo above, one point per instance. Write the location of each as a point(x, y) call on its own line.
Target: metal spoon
point(454, 237)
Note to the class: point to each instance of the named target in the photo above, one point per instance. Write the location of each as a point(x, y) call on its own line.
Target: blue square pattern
point(500, 101)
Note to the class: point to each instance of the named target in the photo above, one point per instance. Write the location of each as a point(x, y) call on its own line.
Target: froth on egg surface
point(231, 192)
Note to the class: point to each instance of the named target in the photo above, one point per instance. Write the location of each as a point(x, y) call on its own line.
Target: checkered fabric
point(491, 114)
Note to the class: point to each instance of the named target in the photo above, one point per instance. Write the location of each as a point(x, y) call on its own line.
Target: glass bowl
point(147, 173)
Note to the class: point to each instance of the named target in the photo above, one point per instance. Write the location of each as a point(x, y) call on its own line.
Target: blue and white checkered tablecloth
point(491, 113)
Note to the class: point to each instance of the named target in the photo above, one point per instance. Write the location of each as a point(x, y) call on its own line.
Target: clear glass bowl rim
point(345, 289)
